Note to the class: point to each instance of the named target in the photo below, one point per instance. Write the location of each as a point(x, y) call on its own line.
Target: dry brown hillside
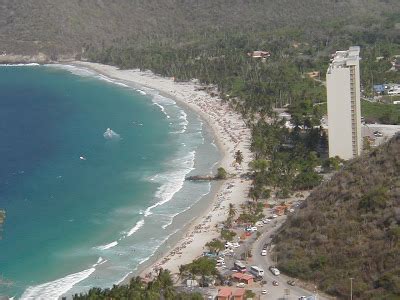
point(350, 227)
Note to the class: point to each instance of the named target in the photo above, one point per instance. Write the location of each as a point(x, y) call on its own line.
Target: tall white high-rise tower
point(344, 107)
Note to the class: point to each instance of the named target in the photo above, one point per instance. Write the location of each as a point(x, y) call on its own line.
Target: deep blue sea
point(83, 208)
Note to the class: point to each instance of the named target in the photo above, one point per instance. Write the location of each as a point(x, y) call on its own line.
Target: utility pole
point(351, 288)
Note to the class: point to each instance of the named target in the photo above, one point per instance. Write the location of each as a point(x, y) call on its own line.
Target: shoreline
point(230, 134)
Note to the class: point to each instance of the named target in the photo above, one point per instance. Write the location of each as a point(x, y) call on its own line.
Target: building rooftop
point(242, 276)
point(342, 59)
point(224, 292)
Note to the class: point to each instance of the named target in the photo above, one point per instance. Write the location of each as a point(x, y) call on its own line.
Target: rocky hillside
point(58, 27)
point(350, 227)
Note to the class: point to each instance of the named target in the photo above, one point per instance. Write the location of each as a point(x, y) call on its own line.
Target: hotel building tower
point(344, 111)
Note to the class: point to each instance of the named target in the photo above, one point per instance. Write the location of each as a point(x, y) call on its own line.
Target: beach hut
point(224, 293)
point(238, 294)
point(241, 277)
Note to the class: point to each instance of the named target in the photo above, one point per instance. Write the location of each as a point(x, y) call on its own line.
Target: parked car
point(291, 282)
point(274, 271)
point(264, 252)
point(259, 224)
point(264, 292)
point(275, 283)
point(266, 221)
point(274, 216)
point(240, 285)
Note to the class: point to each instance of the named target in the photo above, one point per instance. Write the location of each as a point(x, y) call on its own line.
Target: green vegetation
point(221, 173)
point(350, 227)
point(286, 158)
point(202, 266)
point(160, 288)
point(376, 63)
point(227, 235)
point(380, 112)
point(210, 41)
point(215, 246)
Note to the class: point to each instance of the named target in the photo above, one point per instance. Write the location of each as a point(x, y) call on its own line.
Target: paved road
point(284, 290)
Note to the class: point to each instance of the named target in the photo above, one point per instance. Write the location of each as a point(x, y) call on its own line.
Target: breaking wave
point(108, 246)
point(172, 181)
point(54, 289)
point(20, 65)
point(135, 228)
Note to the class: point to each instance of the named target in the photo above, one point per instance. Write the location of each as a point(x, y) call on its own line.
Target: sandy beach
point(230, 134)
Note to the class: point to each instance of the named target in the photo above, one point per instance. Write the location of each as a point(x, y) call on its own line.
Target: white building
point(344, 108)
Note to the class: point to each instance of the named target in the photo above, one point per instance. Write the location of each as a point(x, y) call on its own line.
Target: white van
point(256, 271)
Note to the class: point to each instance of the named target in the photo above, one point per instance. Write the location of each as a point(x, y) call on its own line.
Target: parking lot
point(255, 251)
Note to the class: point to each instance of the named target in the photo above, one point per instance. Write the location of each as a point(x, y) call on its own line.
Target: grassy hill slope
point(350, 227)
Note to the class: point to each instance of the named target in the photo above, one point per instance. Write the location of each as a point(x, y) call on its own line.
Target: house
point(226, 293)
point(242, 277)
point(238, 294)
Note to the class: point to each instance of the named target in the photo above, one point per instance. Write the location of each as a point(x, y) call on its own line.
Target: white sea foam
point(56, 288)
point(136, 227)
point(172, 217)
point(73, 69)
point(162, 109)
point(109, 134)
point(171, 220)
point(108, 246)
point(141, 92)
point(172, 181)
point(121, 84)
point(20, 65)
point(163, 100)
point(123, 278)
point(100, 261)
point(185, 122)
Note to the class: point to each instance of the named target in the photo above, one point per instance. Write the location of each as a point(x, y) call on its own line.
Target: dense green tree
point(221, 173)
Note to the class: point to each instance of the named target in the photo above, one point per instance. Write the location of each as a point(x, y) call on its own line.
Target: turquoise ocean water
point(84, 209)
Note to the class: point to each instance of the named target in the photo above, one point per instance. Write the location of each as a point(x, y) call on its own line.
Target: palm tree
point(239, 157)
point(232, 210)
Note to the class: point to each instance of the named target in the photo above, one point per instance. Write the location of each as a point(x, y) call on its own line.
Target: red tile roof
point(224, 292)
point(238, 292)
point(241, 276)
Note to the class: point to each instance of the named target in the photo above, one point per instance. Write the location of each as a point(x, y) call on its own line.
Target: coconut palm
point(239, 157)
point(232, 211)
